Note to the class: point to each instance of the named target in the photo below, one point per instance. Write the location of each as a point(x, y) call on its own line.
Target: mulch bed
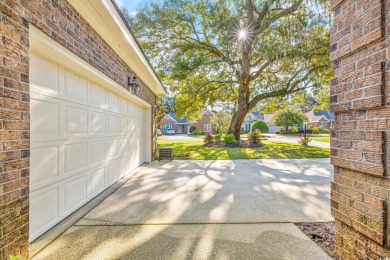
point(321, 233)
point(240, 144)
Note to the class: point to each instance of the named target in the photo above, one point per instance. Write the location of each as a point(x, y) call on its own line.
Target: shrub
point(242, 130)
point(303, 142)
point(209, 138)
point(229, 139)
point(196, 132)
point(192, 129)
point(260, 125)
point(218, 137)
point(254, 136)
point(202, 133)
point(282, 131)
point(326, 131)
point(294, 131)
point(277, 132)
point(316, 130)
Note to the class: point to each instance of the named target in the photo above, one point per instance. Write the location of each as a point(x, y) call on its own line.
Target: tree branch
point(262, 26)
point(289, 89)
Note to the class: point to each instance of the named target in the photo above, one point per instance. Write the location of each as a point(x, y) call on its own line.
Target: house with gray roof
point(250, 119)
point(182, 125)
point(320, 119)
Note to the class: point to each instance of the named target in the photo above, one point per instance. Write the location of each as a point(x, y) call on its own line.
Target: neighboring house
point(204, 123)
point(323, 119)
point(182, 126)
point(171, 121)
point(250, 119)
point(268, 118)
point(72, 124)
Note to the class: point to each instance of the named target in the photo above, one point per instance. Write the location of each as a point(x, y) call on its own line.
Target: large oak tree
point(239, 51)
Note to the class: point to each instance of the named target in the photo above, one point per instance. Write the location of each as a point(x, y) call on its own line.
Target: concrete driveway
point(241, 209)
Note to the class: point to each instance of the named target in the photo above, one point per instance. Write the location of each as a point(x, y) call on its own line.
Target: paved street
point(241, 209)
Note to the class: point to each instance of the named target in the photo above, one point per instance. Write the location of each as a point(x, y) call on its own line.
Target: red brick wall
point(62, 23)
point(360, 150)
point(206, 119)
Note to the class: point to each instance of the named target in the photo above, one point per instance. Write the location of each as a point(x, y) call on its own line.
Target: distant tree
point(260, 125)
point(289, 117)
point(322, 97)
point(169, 103)
point(221, 121)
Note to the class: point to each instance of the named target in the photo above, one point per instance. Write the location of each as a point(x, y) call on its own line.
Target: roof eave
point(106, 19)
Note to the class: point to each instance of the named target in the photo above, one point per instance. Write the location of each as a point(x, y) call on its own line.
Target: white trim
point(170, 118)
point(205, 112)
point(106, 21)
point(50, 49)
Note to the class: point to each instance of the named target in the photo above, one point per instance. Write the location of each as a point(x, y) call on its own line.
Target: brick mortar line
point(360, 191)
point(381, 39)
point(371, 229)
point(357, 170)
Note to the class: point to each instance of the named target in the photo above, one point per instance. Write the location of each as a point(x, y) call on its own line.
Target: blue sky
point(131, 5)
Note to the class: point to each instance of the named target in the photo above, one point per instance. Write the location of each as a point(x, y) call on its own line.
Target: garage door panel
point(75, 156)
point(96, 181)
point(123, 106)
point(124, 128)
point(98, 122)
point(98, 96)
point(83, 139)
point(75, 193)
point(112, 148)
point(48, 81)
point(97, 151)
point(112, 172)
point(46, 118)
point(113, 124)
point(44, 210)
point(76, 120)
point(75, 86)
point(45, 164)
point(113, 102)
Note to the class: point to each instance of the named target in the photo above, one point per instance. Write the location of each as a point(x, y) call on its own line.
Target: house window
point(207, 128)
point(166, 127)
point(247, 126)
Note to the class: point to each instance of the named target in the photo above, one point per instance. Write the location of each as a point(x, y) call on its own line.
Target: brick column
point(14, 132)
point(360, 140)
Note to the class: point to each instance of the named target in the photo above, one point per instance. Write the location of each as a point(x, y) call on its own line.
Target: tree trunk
point(237, 119)
point(287, 130)
point(243, 92)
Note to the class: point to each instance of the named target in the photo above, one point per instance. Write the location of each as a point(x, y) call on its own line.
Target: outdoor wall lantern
point(133, 85)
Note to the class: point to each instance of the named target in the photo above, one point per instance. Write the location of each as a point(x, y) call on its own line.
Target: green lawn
point(322, 139)
point(194, 150)
point(311, 135)
point(203, 136)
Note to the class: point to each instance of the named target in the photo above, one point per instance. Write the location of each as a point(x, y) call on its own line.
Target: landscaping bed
point(321, 233)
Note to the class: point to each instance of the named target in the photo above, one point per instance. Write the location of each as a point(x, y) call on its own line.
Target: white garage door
point(84, 138)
